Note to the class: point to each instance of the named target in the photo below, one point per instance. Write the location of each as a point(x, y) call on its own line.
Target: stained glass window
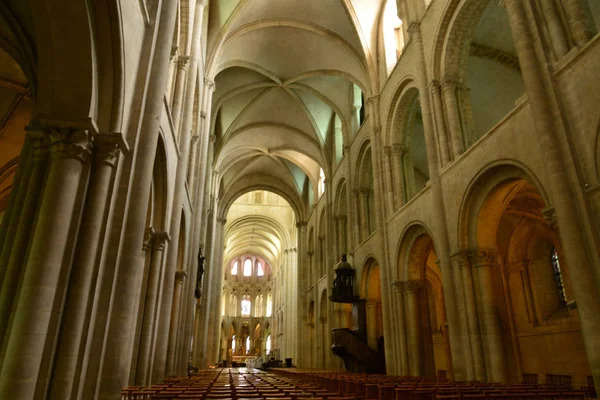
point(234, 268)
point(558, 276)
point(268, 344)
point(246, 304)
point(247, 267)
point(248, 345)
point(233, 343)
point(260, 271)
point(269, 305)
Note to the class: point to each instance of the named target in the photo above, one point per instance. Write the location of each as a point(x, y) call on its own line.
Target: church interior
point(372, 199)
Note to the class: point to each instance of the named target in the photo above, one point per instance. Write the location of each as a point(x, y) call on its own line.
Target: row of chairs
point(232, 384)
point(297, 384)
point(382, 387)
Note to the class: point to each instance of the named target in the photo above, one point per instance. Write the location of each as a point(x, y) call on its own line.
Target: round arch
point(481, 186)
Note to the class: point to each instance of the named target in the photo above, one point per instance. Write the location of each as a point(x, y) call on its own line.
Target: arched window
point(268, 344)
point(233, 305)
point(233, 344)
point(321, 182)
point(260, 270)
point(558, 276)
point(248, 267)
point(258, 306)
point(246, 306)
point(234, 268)
point(248, 345)
point(269, 305)
point(393, 35)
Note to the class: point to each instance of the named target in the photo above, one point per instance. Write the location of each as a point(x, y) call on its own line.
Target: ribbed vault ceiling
point(283, 71)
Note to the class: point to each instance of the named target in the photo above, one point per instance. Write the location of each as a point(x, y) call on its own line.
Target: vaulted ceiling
point(284, 70)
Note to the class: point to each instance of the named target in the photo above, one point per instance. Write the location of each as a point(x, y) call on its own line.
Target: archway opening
point(523, 282)
point(371, 294)
point(425, 311)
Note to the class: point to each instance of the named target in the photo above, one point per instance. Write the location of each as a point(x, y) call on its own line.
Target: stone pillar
point(363, 203)
point(522, 269)
point(357, 217)
point(409, 172)
point(566, 188)
point(491, 328)
point(468, 318)
point(389, 182)
point(35, 314)
point(176, 311)
point(10, 221)
point(453, 115)
point(76, 314)
point(577, 21)
point(555, 31)
point(20, 232)
point(192, 164)
point(341, 221)
point(440, 123)
point(182, 68)
point(156, 245)
point(397, 165)
point(116, 364)
point(412, 293)
point(164, 317)
point(401, 331)
point(372, 307)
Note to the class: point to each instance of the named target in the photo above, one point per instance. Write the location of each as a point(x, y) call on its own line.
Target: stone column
point(371, 308)
point(555, 31)
point(577, 21)
point(20, 232)
point(357, 217)
point(163, 340)
point(116, 364)
point(522, 269)
point(45, 270)
point(409, 172)
point(440, 122)
point(336, 239)
point(10, 221)
point(182, 68)
point(157, 246)
point(192, 164)
point(341, 221)
point(76, 314)
point(401, 331)
point(397, 165)
point(389, 182)
point(363, 203)
point(453, 115)
point(568, 201)
point(491, 328)
point(468, 318)
point(412, 294)
point(176, 311)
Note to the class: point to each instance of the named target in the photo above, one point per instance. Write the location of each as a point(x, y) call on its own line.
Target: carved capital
point(160, 239)
point(109, 146)
point(209, 83)
point(147, 244)
point(301, 224)
point(413, 286)
point(485, 257)
point(435, 86)
point(195, 139)
point(386, 151)
point(373, 99)
point(462, 258)
point(398, 286)
point(549, 215)
point(203, 114)
point(180, 276)
point(182, 62)
point(398, 149)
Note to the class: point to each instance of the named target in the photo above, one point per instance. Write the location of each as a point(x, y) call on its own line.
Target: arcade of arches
point(179, 179)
